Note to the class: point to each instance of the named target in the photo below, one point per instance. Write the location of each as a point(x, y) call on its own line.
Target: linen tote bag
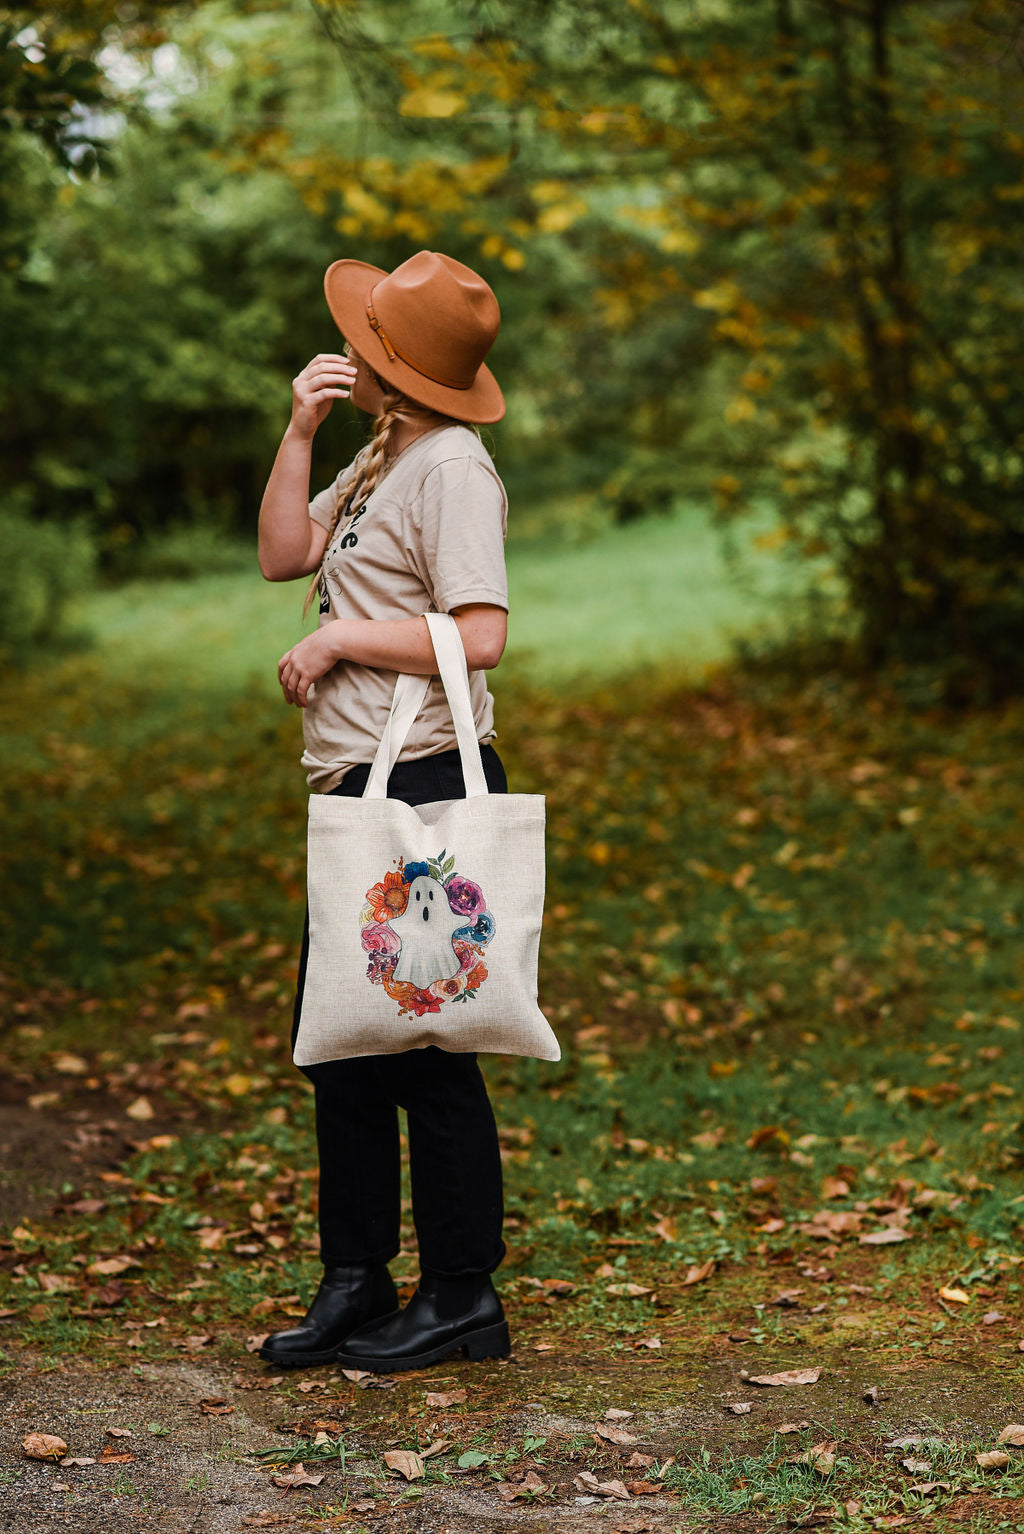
point(424, 921)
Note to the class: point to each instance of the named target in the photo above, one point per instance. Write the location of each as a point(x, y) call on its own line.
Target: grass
point(781, 945)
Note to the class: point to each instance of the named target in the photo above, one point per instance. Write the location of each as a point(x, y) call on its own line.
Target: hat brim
point(347, 286)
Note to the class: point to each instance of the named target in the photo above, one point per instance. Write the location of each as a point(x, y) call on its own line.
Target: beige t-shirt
point(431, 537)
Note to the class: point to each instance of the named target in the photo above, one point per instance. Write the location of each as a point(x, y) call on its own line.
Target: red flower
point(423, 1001)
point(476, 977)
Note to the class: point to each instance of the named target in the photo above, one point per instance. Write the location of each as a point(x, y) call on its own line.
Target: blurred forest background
point(756, 256)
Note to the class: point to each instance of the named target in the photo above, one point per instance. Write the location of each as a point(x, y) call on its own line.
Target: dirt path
point(187, 1470)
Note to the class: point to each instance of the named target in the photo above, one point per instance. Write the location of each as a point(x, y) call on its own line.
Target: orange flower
point(476, 976)
point(389, 898)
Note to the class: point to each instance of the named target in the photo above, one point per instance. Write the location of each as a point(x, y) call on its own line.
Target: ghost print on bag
point(425, 928)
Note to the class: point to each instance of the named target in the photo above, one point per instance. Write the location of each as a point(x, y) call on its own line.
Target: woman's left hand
point(306, 662)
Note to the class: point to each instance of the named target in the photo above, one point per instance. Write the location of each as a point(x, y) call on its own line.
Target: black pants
point(454, 1161)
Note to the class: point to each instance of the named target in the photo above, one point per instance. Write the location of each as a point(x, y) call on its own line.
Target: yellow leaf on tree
point(428, 102)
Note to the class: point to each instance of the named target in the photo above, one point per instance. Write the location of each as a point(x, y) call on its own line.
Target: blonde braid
point(370, 464)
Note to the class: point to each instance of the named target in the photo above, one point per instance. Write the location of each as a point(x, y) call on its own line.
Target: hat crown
point(440, 316)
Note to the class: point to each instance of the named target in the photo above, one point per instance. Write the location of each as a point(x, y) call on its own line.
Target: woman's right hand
point(328, 377)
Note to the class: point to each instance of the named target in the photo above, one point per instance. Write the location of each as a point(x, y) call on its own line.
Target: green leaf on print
point(449, 866)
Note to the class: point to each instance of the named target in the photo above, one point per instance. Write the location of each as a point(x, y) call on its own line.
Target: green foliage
point(44, 569)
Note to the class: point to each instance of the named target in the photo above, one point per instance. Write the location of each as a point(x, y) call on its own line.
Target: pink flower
point(464, 897)
point(449, 989)
point(377, 937)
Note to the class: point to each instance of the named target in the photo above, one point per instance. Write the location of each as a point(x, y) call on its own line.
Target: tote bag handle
point(410, 692)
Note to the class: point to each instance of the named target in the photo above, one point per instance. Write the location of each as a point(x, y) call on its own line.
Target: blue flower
point(413, 871)
point(481, 931)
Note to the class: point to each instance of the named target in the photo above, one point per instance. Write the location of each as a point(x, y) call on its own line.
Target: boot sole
point(488, 1342)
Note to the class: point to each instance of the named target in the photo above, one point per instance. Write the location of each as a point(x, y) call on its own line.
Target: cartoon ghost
point(425, 928)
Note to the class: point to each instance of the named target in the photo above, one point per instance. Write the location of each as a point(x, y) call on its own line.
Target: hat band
point(394, 351)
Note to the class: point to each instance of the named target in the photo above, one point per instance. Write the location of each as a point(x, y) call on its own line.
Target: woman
point(416, 522)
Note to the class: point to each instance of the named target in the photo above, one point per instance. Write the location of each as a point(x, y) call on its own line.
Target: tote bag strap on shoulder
point(410, 692)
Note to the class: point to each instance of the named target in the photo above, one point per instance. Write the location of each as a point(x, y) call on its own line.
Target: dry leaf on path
point(307, 1386)
point(260, 1384)
point(530, 1486)
point(929, 1488)
point(995, 1459)
point(614, 1435)
point(870, 1395)
point(697, 1272)
point(407, 1463)
point(647, 1342)
point(110, 1454)
point(296, 1477)
point(955, 1296)
point(792, 1427)
point(141, 1110)
point(119, 1432)
point(265, 1519)
point(444, 1398)
point(617, 1414)
point(1013, 1433)
point(44, 1446)
point(916, 1466)
point(821, 1458)
point(438, 1446)
point(630, 1291)
point(77, 1460)
point(587, 1481)
point(216, 1407)
point(109, 1267)
point(884, 1237)
point(740, 1408)
point(638, 1461)
point(786, 1377)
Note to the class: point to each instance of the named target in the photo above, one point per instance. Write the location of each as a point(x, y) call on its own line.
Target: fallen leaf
point(119, 1432)
point(78, 1460)
point(355, 1375)
point(884, 1237)
point(255, 1342)
point(647, 1342)
point(786, 1377)
point(991, 1317)
point(631, 1291)
point(638, 1461)
point(821, 1458)
point(438, 1446)
point(216, 1406)
point(740, 1408)
point(615, 1435)
point(55, 1283)
point(587, 1481)
point(617, 1414)
point(697, 1272)
point(1013, 1433)
point(111, 1293)
point(995, 1459)
point(788, 1298)
point(140, 1110)
point(406, 1462)
point(111, 1455)
point(443, 1398)
point(260, 1384)
point(44, 1446)
point(265, 1519)
point(916, 1466)
point(561, 1287)
point(929, 1488)
point(107, 1267)
point(296, 1477)
point(195, 1343)
point(955, 1296)
point(870, 1395)
point(530, 1486)
point(307, 1386)
point(792, 1427)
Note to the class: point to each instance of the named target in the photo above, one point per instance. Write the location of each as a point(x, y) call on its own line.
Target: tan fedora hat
point(425, 328)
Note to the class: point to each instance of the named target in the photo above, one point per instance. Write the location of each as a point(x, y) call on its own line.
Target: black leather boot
point(444, 1316)
point(346, 1299)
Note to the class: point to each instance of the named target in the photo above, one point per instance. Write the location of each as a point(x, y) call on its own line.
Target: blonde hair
point(372, 462)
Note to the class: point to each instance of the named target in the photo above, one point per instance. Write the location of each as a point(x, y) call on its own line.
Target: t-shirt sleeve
point(321, 507)
point(457, 538)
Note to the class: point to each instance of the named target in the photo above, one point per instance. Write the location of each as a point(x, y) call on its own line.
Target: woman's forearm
point(404, 644)
point(285, 530)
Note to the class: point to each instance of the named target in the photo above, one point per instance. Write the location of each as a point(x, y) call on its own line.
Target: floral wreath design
point(425, 928)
